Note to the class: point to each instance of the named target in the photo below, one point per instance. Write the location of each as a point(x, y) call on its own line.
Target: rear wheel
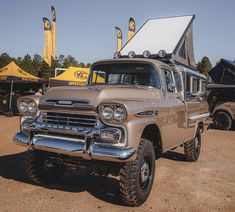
point(136, 177)
point(192, 148)
point(43, 167)
point(222, 120)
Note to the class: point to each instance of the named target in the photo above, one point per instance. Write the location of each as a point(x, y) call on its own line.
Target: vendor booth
point(72, 76)
point(15, 82)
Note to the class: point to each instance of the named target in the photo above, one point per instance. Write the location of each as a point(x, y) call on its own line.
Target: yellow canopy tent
point(72, 76)
point(12, 73)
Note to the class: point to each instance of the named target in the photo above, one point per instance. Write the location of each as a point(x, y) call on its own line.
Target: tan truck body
point(174, 119)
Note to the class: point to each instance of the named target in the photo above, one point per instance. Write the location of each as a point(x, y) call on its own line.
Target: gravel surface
point(206, 185)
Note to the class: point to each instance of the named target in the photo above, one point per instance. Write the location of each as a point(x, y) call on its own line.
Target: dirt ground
point(206, 185)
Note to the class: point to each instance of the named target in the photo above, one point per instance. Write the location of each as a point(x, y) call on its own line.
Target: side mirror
point(171, 86)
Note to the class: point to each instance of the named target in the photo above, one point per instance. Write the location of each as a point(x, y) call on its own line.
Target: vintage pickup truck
point(142, 108)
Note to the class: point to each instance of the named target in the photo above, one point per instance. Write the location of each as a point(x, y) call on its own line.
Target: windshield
point(125, 74)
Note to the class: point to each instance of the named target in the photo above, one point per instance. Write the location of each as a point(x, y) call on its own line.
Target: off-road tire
point(130, 179)
point(222, 120)
point(38, 173)
point(192, 148)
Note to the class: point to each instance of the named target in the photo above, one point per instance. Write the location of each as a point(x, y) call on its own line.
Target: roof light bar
point(131, 54)
point(162, 53)
point(117, 55)
point(146, 54)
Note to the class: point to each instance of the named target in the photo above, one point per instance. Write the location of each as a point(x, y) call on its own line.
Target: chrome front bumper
point(75, 147)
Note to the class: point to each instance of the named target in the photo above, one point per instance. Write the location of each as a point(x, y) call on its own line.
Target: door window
point(178, 81)
point(168, 80)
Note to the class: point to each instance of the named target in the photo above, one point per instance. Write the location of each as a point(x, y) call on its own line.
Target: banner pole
point(10, 113)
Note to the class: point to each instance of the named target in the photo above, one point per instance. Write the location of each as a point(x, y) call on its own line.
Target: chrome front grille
point(76, 120)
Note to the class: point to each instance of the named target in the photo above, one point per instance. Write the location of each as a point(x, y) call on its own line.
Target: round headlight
point(32, 107)
point(119, 114)
point(107, 113)
point(23, 107)
point(27, 107)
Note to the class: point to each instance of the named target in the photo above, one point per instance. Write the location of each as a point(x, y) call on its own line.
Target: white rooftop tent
point(174, 35)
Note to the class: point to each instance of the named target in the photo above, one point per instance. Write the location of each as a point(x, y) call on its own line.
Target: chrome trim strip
point(85, 101)
point(147, 113)
point(65, 122)
point(65, 117)
point(68, 107)
point(76, 147)
point(199, 116)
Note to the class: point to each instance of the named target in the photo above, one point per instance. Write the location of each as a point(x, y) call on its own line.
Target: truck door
point(174, 131)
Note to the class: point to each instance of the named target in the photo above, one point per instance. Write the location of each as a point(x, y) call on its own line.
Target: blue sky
point(85, 28)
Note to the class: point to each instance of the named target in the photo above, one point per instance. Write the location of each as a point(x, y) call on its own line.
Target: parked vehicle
point(221, 97)
point(119, 126)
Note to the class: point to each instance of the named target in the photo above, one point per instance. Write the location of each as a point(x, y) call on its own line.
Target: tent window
point(202, 85)
point(182, 52)
point(228, 77)
point(193, 85)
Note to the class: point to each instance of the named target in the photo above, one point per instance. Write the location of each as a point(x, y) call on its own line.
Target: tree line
point(35, 64)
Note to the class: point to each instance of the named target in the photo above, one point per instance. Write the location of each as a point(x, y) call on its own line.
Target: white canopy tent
point(172, 34)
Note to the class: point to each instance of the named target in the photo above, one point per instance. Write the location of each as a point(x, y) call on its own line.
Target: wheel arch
point(200, 126)
point(225, 111)
point(152, 133)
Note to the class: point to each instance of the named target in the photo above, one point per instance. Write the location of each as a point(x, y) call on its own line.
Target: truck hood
point(98, 94)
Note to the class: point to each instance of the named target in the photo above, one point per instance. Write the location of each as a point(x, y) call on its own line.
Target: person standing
point(39, 92)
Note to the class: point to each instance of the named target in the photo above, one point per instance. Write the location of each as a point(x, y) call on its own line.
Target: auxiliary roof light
point(162, 53)
point(131, 54)
point(117, 55)
point(146, 54)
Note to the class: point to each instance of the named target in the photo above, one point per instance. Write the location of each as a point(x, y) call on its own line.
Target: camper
point(221, 97)
point(150, 100)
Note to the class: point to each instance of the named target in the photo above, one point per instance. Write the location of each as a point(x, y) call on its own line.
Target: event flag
point(47, 41)
point(119, 39)
point(131, 28)
point(53, 33)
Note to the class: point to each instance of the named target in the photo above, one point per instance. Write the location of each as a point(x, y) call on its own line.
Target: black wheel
point(136, 177)
point(222, 120)
point(43, 167)
point(192, 148)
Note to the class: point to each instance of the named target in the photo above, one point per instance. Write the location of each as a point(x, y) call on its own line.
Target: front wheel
point(222, 120)
point(192, 148)
point(43, 167)
point(136, 177)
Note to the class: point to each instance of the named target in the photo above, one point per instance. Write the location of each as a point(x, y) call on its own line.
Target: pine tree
point(204, 66)
point(88, 65)
point(4, 59)
point(36, 65)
